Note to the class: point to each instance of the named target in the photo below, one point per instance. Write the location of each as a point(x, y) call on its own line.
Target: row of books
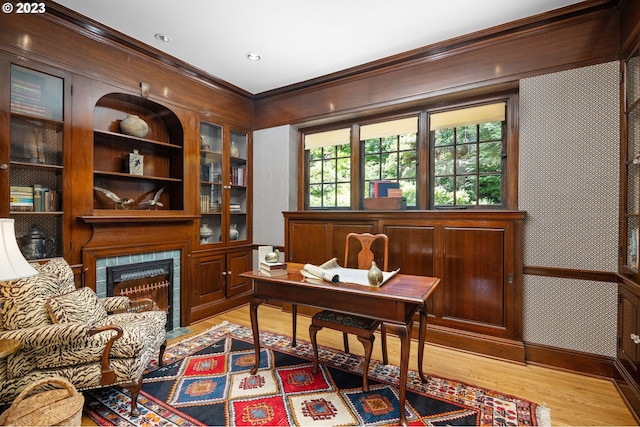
point(239, 175)
point(235, 207)
point(207, 204)
point(33, 199)
point(384, 188)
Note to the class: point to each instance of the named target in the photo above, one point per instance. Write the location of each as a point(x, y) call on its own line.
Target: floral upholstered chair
point(63, 331)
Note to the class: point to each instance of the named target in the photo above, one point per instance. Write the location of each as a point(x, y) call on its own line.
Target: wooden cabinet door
point(208, 285)
point(628, 331)
point(309, 242)
point(473, 278)
point(237, 263)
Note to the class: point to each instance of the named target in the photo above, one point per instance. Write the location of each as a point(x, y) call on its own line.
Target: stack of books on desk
point(273, 268)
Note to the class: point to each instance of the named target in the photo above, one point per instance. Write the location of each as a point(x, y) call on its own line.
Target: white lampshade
point(12, 263)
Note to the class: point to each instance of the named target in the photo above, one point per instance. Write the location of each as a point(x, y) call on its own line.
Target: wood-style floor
point(573, 399)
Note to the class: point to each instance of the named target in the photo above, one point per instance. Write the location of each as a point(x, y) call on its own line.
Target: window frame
point(424, 176)
point(478, 173)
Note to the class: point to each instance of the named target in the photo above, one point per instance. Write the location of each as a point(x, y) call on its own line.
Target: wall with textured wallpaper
point(568, 185)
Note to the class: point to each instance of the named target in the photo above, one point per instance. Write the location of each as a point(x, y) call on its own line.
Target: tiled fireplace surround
point(103, 263)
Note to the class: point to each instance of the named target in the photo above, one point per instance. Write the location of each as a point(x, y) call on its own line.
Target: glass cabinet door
point(36, 161)
point(238, 164)
point(211, 183)
point(632, 163)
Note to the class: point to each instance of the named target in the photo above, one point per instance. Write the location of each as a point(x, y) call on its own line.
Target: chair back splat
point(366, 255)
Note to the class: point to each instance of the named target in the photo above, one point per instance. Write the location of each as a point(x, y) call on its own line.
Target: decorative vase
point(205, 233)
point(134, 126)
point(234, 150)
point(233, 232)
point(374, 275)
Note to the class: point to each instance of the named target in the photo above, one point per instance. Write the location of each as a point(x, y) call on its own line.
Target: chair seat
point(348, 320)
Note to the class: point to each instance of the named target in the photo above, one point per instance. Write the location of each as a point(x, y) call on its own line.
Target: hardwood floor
point(573, 399)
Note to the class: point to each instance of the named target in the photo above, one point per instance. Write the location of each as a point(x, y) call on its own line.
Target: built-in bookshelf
point(37, 156)
point(137, 174)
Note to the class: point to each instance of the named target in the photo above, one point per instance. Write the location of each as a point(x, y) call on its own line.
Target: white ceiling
point(298, 40)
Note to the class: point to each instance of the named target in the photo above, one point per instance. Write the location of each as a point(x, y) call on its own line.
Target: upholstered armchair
point(63, 331)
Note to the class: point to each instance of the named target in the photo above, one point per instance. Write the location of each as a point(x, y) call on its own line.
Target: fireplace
point(150, 279)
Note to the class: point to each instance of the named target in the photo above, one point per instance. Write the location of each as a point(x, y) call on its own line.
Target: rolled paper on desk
point(315, 272)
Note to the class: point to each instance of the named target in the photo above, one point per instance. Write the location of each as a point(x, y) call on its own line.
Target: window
point(391, 154)
point(467, 156)
point(460, 162)
point(329, 169)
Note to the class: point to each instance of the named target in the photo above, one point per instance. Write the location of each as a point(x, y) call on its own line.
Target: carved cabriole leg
point(367, 343)
point(163, 347)
point(313, 330)
point(134, 389)
point(253, 313)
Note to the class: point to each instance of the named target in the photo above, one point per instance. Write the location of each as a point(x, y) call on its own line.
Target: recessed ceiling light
point(253, 56)
point(162, 38)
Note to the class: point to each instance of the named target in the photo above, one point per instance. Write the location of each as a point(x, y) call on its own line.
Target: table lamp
point(12, 263)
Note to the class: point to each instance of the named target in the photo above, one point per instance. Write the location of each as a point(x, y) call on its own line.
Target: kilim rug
point(206, 381)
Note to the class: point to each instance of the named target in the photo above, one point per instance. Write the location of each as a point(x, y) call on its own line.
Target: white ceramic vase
point(134, 126)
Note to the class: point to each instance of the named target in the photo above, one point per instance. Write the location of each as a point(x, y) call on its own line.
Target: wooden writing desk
point(394, 303)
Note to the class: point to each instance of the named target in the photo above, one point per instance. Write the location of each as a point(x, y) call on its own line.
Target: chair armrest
point(116, 303)
point(39, 336)
point(108, 376)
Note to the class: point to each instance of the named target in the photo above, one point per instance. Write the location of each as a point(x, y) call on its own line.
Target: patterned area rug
point(206, 381)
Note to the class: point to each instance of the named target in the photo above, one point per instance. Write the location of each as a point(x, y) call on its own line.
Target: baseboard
point(485, 345)
point(570, 360)
point(510, 350)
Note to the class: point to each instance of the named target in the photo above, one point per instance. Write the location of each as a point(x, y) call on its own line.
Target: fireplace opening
point(151, 280)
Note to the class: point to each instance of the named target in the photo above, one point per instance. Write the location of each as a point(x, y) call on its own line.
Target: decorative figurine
point(272, 256)
point(374, 275)
point(154, 202)
point(123, 203)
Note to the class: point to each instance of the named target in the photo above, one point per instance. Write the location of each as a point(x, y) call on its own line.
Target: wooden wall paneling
point(578, 41)
point(629, 26)
point(309, 242)
point(478, 306)
point(411, 248)
point(474, 272)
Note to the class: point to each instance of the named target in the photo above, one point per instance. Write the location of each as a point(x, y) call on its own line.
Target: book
point(274, 272)
point(272, 266)
point(21, 198)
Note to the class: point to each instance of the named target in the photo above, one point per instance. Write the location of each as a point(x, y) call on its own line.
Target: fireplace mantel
point(108, 219)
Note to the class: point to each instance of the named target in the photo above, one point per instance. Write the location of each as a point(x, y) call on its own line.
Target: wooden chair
point(362, 327)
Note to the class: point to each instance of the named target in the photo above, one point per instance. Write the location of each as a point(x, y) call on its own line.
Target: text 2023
point(30, 7)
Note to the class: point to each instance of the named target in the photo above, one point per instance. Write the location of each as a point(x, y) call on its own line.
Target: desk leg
point(253, 311)
point(421, 341)
point(294, 316)
point(404, 333)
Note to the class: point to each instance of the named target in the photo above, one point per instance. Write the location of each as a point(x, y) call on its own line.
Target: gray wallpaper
point(568, 185)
